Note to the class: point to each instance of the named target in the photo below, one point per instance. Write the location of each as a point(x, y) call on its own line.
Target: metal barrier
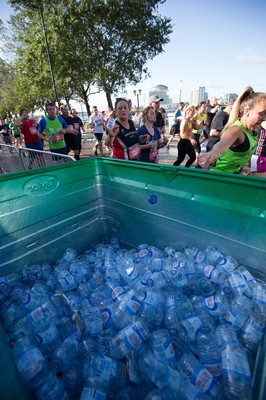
point(13, 159)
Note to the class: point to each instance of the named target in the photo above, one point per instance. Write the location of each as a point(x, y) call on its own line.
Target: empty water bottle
point(65, 354)
point(6, 284)
point(28, 358)
point(236, 372)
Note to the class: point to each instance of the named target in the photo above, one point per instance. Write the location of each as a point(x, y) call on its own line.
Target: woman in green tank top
point(238, 143)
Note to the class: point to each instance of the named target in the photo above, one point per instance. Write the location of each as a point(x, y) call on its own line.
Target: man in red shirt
point(29, 130)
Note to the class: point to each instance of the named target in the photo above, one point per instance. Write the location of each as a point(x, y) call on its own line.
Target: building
point(162, 92)
point(198, 95)
point(226, 97)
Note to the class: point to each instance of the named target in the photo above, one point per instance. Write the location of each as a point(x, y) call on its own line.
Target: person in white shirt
point(96, 122)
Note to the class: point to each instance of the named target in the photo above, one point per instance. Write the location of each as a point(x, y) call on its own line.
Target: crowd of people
point(235, 133)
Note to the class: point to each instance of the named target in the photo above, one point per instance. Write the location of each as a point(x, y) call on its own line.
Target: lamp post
point(180, 90)
point(40, 9)
point(137, 94)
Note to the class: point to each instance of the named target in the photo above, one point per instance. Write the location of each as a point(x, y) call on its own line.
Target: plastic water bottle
point(162, 346)
point(207, 348)
point(110, 124)
point(35, 297)
point(128, 269)
point(190, 328)
point(66, 280)
point(238, 311)
point(92, 320)
point(195, 254)
point(215, 274)
point(259, 302)
point(73, 381)
point(199, 375)
point(236, 372)
point(237, 282)
point(6, 284)
point(250, 334)
point(30, 273)
point(28, 358)
point(128, 339)
point(215, 305)
point(171, 319)
point(228, 264)
point(213, 255)
point(153, 308)
point(48, 338)
point(129, 306)
point(65, 354)
point(68, 257)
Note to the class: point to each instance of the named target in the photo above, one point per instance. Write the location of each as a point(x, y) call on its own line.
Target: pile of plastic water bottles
point(136, 324)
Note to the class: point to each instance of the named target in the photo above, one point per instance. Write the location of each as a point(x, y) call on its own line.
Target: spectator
point(258, 160)
point(218, 123)
point(159, 123)
point(149, 136)
point(196, 133)
point(211, 109)
point(96, 122)
point(52, 129)
point(185, 146)
point(78, 124)
point(15, 130)
point(71, 136)
point(175, 128)
point(137, 118)
point(238, 143)
point(123, 137)
point(5, 131)
point(29, 130)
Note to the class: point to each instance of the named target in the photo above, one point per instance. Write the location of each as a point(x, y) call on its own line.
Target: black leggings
point(184, 148)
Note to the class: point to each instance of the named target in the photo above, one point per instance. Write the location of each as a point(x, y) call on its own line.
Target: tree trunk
point(109, 99)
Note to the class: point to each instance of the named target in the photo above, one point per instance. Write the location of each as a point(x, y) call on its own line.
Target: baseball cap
point(155, 98)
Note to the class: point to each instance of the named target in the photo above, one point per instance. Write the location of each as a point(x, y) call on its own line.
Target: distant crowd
point(235, 133)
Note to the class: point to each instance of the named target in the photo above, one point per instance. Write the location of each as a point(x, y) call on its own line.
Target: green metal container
point(85, 203)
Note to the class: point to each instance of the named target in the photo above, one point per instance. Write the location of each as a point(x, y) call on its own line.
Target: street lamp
point(137, 94)
point(40, 9)
point(180, 90)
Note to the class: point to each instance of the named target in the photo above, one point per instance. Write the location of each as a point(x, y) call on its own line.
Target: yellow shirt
point(200, 118)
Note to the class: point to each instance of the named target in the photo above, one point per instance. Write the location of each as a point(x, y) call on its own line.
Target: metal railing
point(13, 159)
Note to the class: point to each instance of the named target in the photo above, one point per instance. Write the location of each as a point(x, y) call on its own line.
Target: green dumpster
point(82, 204)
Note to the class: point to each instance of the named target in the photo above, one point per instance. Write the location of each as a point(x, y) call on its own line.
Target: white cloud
point(250, 59)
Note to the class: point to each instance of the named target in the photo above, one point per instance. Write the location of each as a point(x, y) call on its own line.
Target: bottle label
point(117, 292)
point(208, 270)
point(144, 253)
point(106, 315)
point(192, 326)
point(133, 305)
point(47, 336)
point(214, 366)
point(202, 379)
point(212, 306)
point(67, 280)
point(133, 337)
point(29, 363)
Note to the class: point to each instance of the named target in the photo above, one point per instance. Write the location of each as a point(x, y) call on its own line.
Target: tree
point(101, 44)
point(8, 97)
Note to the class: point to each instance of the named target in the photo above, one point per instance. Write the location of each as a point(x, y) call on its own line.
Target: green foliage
point(102, 44)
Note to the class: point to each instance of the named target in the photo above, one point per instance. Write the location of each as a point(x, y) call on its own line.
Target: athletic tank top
point(233, 159)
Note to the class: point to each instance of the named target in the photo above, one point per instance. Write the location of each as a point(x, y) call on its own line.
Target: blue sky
point(219, 45)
